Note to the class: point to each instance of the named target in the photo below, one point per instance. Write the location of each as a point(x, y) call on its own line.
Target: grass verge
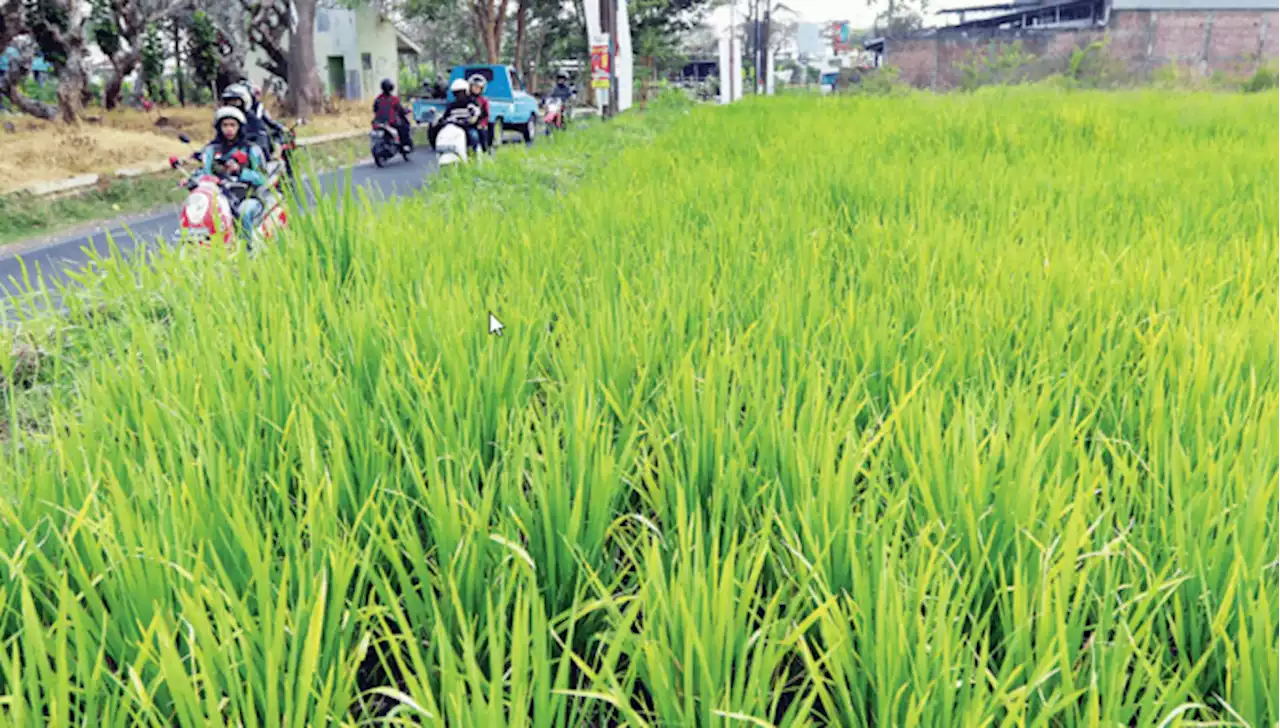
point(969, 423)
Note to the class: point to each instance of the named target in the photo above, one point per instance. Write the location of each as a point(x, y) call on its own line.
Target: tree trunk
point(177, 62)
point(489, 17)
point(73, 79)
point(304, 85)
point(522, 16)
point(121, 66)
point(232, 51)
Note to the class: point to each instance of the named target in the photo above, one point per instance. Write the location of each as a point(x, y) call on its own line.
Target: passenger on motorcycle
point(476, 85)
point(272, 127)
point(233, 157)
point(387, 109)
point(463, 112)
point(238, 97)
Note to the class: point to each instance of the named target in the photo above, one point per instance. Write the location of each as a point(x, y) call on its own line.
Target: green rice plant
point(966, 418)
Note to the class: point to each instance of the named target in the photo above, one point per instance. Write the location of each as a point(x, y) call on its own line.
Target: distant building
point(809, 41)
point(355, 50)
point(40, 68)
point(1229, 36)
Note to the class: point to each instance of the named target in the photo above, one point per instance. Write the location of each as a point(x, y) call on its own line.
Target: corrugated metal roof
point(1195, 5)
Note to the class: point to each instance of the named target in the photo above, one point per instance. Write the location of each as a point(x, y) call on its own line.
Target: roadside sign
point(600, 61)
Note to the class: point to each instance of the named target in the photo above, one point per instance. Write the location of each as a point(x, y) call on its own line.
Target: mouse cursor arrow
point(495, 326)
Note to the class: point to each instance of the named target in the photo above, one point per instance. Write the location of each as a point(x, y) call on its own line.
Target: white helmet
point(459, 85)
point(227, 112)
point(238, 91)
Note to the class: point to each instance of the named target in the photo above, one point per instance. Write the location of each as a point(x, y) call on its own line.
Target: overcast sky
point(816, 11)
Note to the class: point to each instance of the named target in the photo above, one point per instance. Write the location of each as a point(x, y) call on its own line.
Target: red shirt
point(484, 112)
point(387, 109)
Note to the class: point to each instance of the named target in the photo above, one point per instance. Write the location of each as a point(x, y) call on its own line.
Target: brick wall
point(1140, 42)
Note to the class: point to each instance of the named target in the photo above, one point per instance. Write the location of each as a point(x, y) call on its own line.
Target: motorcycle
point(451, 145)
point(384, 143)
point(553, 114)
point(208, 215)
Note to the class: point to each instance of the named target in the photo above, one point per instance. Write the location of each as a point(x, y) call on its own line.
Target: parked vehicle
point(384, 143)
point(553, 114)
point(510, 106)
point(451, 145)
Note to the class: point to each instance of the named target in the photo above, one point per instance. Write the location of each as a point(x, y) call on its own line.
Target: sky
point(856, 12)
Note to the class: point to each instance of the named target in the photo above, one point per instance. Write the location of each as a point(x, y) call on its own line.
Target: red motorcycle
point(208, 214)
point(553, 114)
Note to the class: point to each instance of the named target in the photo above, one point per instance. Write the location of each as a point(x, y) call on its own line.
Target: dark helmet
point(387, 86)
point(562, 76)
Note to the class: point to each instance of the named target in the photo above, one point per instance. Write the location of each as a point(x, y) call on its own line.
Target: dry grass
point(42, 151)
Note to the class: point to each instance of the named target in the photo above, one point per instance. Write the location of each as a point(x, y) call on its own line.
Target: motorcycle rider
point(563, 91)
point(239, 97)
point(463, 112)
point(387, 109)
point(476, 85)
point(437, 90)
point(240, 160)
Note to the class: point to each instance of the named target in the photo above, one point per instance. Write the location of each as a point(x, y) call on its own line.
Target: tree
point(900, 18)
point(202, 51)
point(542, 28)
point(58, 29)
point(269, 23)
point(228, 21)
point(118, 29)
point(486, 20)
point(19, 49)
point(448, 37)
point(151, 77)
point(304, 83)
point(657, 27)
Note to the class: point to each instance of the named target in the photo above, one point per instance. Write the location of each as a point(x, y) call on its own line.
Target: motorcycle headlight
point(197, 206)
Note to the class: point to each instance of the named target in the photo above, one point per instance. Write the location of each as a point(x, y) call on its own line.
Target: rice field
point(913, 411)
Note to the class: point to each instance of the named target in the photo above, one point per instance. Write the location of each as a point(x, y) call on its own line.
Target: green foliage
point(154, 54)
point(882, 81)
point(1093, 67)
point(103, 28)
point(203, 54)
point(1264, 79)
point(46, 19)
point(995, 65)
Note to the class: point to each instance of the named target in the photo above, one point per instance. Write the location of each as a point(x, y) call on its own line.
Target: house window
point(322, 21)
point(366, 61)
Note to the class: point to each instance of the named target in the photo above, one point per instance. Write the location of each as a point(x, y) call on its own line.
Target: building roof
point(405, 45)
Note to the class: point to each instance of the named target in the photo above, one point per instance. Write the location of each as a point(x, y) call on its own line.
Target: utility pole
point(764, 52)
point(606, 29)
point(613, 57)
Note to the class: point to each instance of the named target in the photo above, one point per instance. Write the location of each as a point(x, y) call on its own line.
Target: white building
point(355, 50)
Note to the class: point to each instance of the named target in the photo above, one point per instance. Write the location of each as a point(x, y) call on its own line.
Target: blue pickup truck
point(511, 108)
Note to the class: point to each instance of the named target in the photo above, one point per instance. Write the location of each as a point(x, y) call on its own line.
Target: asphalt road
point(48, 261)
